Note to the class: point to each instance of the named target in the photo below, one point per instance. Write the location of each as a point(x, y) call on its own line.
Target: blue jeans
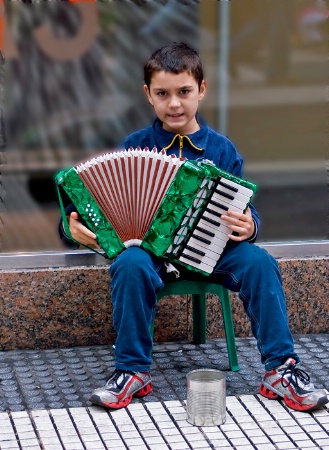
point(137, 277)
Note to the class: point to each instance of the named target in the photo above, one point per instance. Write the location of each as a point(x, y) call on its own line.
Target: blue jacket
point(203, 144)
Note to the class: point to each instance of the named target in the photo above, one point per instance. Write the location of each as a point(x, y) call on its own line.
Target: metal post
point(223, 60)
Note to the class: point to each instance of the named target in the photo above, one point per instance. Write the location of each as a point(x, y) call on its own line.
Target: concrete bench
point(62, 299)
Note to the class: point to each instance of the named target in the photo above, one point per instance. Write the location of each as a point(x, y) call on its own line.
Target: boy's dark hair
point(176, 57)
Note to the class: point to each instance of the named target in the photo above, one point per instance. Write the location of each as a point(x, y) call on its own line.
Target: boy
point(174, 86)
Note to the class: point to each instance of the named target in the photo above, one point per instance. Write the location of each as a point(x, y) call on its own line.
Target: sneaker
point(121, 387)
point(294, 386)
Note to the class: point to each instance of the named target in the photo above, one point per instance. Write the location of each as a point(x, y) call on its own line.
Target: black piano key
point(195, 250)
point(213, 222)
point(191, 258)
point(228, 186)
point(203, 230)
point(219, 205)
point(224, 194)
point(201, 239)
point(213, 213)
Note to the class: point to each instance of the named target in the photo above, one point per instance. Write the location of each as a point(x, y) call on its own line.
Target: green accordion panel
point(90, 212)
point(174, 207)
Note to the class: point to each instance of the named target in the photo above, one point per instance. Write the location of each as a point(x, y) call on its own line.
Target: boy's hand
point(81, 233)
point(242, 224)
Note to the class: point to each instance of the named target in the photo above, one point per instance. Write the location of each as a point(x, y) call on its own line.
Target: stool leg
point(199, 318)
point(229, 330)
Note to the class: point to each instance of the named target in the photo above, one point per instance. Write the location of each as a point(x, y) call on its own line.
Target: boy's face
point(175, 98)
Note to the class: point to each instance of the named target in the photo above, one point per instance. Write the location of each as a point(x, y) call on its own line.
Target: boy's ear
point(147, 92)
point(202, 90)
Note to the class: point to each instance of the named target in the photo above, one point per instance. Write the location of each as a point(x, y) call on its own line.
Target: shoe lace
point(294, 374)
point(115, 377)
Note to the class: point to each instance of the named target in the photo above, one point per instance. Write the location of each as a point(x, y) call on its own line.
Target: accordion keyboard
point(205, 245)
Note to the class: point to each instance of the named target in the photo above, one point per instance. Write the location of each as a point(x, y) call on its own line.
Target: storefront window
point(72, 88)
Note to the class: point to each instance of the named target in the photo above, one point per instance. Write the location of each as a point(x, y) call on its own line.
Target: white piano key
point(239, 205)
point(205, 259)
point(242, 189)
point(195, 247)
point(202, 266)
point(220, 223)
point(223, 209)
point(211, 251)
point(236, 195)
point(215, 242)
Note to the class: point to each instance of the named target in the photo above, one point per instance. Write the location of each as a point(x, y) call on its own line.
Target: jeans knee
point(134, 279)
point(260, 261)
point(131, 260)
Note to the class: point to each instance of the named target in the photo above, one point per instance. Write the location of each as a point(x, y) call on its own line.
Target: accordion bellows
point(129, 187)
point(169, 206)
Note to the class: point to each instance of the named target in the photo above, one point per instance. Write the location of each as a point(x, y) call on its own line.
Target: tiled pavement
point(44, 401)
point(252, 423)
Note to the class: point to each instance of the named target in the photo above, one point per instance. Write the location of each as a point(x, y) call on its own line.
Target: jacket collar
point(196, 140)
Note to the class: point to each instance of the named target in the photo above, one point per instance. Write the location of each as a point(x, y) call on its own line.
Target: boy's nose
point(174, 102)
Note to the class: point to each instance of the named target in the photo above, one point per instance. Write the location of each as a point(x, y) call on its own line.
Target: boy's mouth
point(175, 116)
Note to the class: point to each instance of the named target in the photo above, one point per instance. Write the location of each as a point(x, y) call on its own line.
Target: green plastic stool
point(199, 289)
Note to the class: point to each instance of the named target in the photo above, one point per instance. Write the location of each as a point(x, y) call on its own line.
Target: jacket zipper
point(181, 146)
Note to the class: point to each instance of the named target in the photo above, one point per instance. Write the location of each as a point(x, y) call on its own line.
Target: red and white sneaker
point(121, 387)
point(294, 386)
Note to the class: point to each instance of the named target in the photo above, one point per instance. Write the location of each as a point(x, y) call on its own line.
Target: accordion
point(169, 206)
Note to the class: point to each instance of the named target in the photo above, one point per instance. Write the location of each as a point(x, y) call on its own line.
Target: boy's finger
point(74, 215)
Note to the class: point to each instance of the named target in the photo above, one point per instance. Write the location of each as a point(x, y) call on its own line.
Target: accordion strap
point(66, 227)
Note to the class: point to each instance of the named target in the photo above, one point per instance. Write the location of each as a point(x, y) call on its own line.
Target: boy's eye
point(184, 91)
point(161, 93)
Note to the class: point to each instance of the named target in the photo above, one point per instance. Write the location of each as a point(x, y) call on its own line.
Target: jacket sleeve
point(65, 239)
point(256, 219)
